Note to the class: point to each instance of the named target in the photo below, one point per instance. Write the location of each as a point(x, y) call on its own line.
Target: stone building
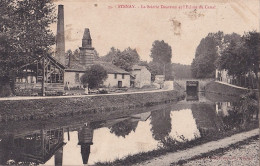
point(142, 76)
point(76, 67)
point(58, 73)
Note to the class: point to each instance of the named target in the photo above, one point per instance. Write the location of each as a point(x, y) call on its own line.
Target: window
point(123, 76)
point(115, 76)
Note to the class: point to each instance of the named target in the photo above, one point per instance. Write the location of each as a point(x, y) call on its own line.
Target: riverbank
point(28, 108)
point(175, 152)
point(225, 88)
point(241, 153)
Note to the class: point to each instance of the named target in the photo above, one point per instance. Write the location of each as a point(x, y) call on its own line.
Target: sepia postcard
point(148, 83)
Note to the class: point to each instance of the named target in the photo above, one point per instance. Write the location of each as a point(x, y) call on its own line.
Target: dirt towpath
point(238, 156)
point(174, 157)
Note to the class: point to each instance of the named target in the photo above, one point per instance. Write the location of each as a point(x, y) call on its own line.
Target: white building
point(142, 76)
point(221, 75)
point(117, 77)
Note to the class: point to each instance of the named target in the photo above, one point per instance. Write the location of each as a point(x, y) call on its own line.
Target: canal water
point(198, 116)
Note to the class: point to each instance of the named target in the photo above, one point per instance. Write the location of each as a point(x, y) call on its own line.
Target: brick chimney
point(86, 51)
point(60, 38)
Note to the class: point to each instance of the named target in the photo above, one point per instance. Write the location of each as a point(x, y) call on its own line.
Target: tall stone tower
point(86, 51)
point(60, 38)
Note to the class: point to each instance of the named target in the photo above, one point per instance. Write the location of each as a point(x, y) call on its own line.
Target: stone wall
point(46, 107)
point(202, 83)
point(225, 89)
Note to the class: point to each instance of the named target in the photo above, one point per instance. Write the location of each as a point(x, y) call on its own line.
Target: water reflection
point(192, 96)
point(123, 128)
point(161, 124)
point(35, 148)
point(85, 137)
point(183, 126)
point(107, 140)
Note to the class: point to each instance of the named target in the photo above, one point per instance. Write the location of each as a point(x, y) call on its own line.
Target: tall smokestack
point(60, 38)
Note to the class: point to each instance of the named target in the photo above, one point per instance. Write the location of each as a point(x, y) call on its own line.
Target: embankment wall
point(44, 108)
point(219, 88)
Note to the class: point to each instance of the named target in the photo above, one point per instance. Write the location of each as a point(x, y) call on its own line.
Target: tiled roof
point(137, 67)
point(109, 67)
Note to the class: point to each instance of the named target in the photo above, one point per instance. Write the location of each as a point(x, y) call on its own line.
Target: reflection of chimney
point(85, 136)
point(58, 157)
point(86, 51)
point(60, 38)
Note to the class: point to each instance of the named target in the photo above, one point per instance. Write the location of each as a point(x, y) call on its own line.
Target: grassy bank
point(45, 108)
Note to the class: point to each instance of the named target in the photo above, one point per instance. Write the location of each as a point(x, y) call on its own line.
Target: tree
point(25, 34)
point(96, 55)
point(110, 55)
point(232, 61)
point(252, 44)
point(94, 76)
point(126, 59)
point(161, 53)
point(203, 65)
point(123, 128)
point(156, 69)
point(181, 71)
point(241, 58)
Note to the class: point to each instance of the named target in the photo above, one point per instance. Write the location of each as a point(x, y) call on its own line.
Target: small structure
point(159, 80)
point(142, 76)
point(30, 77)
point(192, 86)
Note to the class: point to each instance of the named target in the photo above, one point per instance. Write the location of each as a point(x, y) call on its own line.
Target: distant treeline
point(181, 71)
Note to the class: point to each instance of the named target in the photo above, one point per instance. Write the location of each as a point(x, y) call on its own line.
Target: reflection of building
point(222, 108)
point(85, 136)
point(192, 96)
point(142, 76)
point(36, 148)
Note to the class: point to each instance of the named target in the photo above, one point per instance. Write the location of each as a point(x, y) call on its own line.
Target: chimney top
point(86, 35)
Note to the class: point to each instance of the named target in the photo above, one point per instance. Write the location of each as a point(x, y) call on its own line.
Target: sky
point(182, 25)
